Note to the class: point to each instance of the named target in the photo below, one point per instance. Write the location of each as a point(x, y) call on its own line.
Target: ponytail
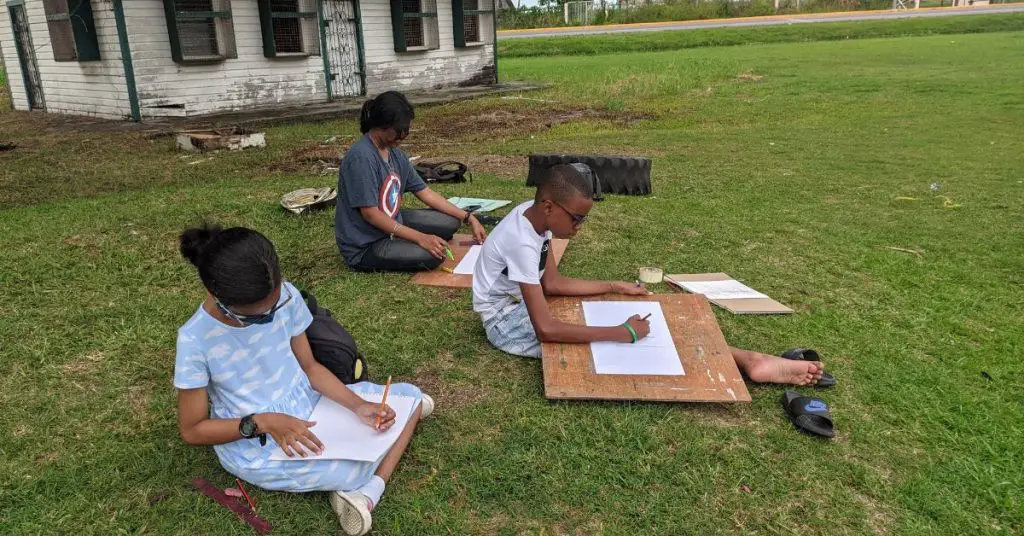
point(388, 110)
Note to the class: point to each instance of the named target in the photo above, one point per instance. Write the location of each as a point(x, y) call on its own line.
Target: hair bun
point(195, 239)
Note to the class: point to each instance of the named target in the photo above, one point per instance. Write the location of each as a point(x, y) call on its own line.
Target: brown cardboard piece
point(711, 373)
point(747, 306)
point(440, 278)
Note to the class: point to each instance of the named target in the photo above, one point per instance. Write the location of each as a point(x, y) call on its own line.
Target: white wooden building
point(138, 59)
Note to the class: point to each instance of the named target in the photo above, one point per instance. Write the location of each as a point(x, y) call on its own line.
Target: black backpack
point(450, 171)
point(332, 345)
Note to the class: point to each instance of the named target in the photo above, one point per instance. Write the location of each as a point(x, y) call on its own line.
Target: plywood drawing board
point(711, 373)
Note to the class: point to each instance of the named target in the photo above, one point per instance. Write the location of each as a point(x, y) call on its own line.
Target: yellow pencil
point(383, 399)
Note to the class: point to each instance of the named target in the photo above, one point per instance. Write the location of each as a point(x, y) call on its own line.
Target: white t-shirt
point(514, 253)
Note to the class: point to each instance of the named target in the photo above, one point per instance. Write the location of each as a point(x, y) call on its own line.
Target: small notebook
point(486, 205)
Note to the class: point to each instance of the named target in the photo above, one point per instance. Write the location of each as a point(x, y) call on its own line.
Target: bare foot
point(772, 369)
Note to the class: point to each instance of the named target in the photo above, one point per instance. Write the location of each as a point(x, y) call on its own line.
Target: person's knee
point(451, 226)
point(406, 389)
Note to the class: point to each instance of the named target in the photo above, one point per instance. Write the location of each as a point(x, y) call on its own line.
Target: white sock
point(373, 490)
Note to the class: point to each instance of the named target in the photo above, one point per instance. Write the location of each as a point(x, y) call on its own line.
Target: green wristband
point(632, 332)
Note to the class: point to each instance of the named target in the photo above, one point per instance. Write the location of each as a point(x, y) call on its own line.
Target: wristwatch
point(465, 220)
point(247, 428)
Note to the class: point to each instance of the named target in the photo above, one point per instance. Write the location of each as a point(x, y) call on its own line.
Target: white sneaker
point(353, 510)
point(427, 406)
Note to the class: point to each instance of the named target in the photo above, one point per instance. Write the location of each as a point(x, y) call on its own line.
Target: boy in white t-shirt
point(515, 272)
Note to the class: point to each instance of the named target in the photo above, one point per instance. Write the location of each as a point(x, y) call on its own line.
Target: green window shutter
point(267, 26)
point(200, 31)
point(84, 27)
point(72, 30)
point(290, 28)
point(398, 25)
point(172, 30)
point(458, 23)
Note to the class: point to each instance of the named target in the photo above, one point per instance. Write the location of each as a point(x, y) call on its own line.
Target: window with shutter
point(72, 30)
point(290, 28)
point(200, 30)
point(414, 23)
point(472, 22)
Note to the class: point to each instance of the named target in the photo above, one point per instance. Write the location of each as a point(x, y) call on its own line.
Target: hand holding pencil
point(641, 327)
point(380, 416)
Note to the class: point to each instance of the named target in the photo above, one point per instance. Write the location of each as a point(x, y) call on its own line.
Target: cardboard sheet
point(733, 299)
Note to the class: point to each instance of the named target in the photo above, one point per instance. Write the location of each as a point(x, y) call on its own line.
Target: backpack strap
point(310, 301)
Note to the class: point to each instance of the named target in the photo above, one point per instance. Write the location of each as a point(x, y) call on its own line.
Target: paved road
point(762, 21)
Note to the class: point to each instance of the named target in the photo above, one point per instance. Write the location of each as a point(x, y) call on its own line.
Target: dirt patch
point(321, 158)
point(47, 458)
point(749, 76)
point(139, 399)
point(436, 132)
point(450, 135)
point(878, 518)
point(448, 395)
point(84, 364)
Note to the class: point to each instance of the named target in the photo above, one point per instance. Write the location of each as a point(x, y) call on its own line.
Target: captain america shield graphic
point(391, 195)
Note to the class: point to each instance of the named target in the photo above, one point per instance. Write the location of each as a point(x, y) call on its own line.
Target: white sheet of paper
point(467, 263)
point(345, 437)
point(721, 290)
point(655, 354)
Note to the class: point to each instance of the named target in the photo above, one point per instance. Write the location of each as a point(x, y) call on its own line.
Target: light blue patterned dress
point(253, 370)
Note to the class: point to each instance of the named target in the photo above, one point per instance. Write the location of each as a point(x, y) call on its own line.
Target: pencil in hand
point(383, 399)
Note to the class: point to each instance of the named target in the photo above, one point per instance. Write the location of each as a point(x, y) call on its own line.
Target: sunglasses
point(249, 320)
point(577, 219)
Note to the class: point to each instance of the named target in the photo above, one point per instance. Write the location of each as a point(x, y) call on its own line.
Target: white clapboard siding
point(94, 88)
point(446, 66)
point(249, 81)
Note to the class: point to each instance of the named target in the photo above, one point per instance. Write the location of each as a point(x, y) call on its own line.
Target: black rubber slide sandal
point(808, 414)
point(806, 354)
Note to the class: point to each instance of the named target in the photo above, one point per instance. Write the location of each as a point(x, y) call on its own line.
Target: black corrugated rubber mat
point(618, 174)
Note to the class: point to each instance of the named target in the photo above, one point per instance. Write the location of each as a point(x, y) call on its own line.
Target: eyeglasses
point(577, 219)
point(248, 320)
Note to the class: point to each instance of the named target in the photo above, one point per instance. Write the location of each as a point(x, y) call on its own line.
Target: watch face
point(248, 427)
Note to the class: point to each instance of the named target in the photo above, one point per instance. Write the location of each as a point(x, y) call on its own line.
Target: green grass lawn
point(5, 91)
point(756, 35)
point(783, 165)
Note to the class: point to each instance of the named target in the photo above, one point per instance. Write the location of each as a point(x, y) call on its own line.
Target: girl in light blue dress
point(247, 380)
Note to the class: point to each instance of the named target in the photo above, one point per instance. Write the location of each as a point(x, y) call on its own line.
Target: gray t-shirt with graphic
point(367, 180)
